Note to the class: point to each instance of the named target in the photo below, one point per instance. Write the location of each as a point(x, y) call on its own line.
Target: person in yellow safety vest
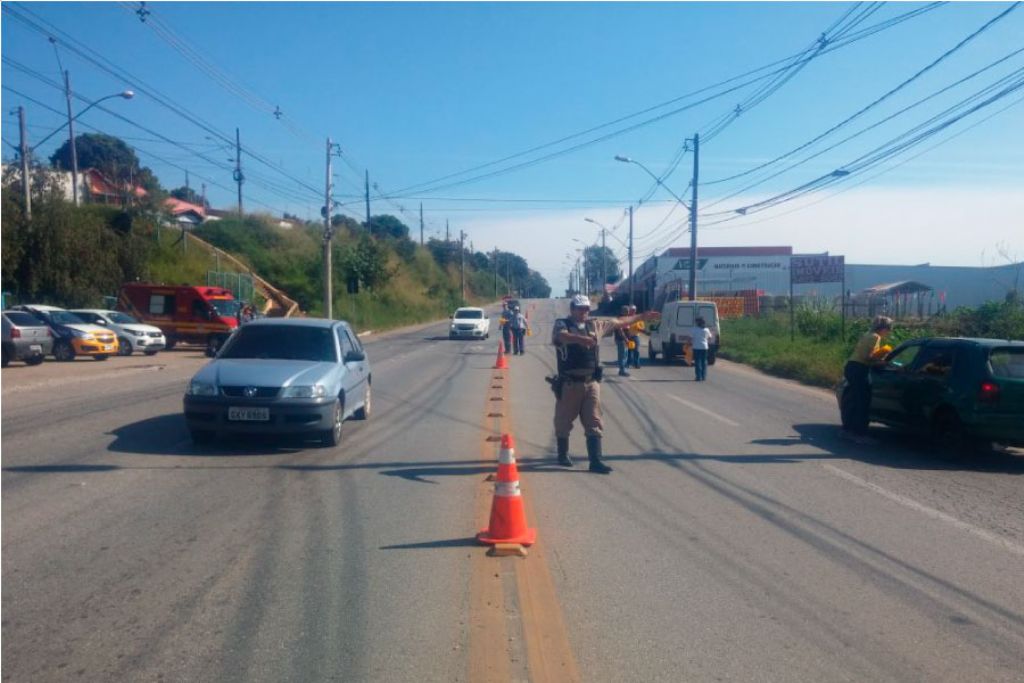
point(506, 329)
point(633, 345)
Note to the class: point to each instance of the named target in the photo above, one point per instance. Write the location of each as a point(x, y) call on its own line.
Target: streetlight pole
point(604, 253)
point(630, 255)
point(71, 133)
point(26, 181)
point(126, 94)
point(693, 218)
point(328, 287)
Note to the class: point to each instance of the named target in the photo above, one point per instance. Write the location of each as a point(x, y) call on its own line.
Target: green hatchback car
point(959, 390)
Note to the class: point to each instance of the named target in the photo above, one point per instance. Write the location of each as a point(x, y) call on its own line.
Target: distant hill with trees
point(74, 256)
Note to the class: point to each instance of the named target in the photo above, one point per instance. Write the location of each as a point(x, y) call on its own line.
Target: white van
point(677, 319)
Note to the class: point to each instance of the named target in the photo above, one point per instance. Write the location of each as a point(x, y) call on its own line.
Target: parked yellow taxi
point(72, 336)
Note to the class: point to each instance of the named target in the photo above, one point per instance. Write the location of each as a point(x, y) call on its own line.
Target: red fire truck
point(186, 314)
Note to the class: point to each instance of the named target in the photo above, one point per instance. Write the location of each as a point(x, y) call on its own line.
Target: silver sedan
point(282, 376)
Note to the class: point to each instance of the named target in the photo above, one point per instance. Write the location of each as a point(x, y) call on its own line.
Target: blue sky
point(415, 92)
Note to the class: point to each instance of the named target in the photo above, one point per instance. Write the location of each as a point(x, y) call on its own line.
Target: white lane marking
point(930, 512)
point(700, 409)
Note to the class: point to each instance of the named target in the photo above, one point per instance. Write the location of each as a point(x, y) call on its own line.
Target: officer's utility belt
point(597, 376)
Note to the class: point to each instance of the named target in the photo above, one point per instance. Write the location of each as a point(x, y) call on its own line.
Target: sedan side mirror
point(354, 356)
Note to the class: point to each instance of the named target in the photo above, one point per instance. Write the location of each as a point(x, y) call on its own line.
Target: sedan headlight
point(305, 391)
point(82, 335)
point(138, 333)
point(197, 388)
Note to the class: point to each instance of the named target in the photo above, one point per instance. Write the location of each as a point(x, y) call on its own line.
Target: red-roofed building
point(185, 213)
point(101, 190)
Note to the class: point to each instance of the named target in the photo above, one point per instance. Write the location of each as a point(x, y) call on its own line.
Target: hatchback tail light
point(988, 393)
point(15, 333)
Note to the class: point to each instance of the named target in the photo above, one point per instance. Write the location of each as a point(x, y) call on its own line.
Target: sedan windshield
point(282, 342)
point(64, 318)
point(121, 318)
point(471, 315)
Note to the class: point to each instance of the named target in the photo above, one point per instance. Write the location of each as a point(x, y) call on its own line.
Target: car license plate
point(249, 414)
point(108, 347)
point(35, 348)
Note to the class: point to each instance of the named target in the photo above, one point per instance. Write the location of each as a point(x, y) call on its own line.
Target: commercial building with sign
point(722, 271)
point(765, 272)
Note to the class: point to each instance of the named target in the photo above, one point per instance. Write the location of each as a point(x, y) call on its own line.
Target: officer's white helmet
point(580, 301)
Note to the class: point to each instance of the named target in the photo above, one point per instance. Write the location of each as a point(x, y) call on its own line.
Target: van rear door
point(684, 316)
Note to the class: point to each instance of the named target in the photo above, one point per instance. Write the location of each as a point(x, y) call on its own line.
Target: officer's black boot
point(563, 452)
point(594, 453)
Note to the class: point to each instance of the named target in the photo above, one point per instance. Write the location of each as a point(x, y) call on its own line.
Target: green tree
point(388, 227)
point(596, 259)
point(366, 261)
point(187, 194)
point(110, 155)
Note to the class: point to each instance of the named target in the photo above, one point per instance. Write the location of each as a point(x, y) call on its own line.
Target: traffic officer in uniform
point(577, 385)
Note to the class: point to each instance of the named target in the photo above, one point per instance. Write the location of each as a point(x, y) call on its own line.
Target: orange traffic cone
point(502, 363)
point(508, 518)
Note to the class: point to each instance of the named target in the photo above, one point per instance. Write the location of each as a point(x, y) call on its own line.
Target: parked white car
point(131, 334)
point(469, 323)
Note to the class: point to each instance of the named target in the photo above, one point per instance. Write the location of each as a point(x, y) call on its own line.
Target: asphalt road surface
point(738, 539)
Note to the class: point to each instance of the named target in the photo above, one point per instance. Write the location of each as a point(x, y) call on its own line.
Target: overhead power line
point(866, 129)
point(752, 77)
point(941, 58)
point(40, 25)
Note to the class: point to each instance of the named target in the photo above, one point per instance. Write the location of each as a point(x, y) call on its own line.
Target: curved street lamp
point(693, 219)
point(628, 160)
point(125, 94)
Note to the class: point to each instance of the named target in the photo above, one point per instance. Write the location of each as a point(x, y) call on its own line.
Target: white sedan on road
point(469, 323)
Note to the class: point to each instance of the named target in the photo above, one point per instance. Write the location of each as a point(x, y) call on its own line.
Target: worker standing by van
point(577, 385)
point(700, 341)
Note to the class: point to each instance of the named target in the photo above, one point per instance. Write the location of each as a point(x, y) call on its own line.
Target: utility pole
point(367, 199)
point(631, 255)
point(421, 224)
point(71, 133)
point(604, 264)
point(204, 196)
point(693, 219)
point(328, 290)
point(508, 275)
point(26, 181)
point(188, 190)
point(239, 178)
point(447, 233)
point(495, 273)
point(462, 263)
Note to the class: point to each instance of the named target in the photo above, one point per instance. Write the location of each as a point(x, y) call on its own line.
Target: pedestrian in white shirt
point(700, 338)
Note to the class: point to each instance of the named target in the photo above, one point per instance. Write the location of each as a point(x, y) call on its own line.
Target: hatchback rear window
point(22, 319)
point(1007, 363)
